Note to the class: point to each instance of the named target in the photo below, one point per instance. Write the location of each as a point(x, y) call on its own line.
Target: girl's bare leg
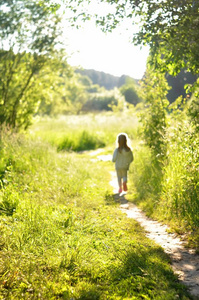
point(125, 186)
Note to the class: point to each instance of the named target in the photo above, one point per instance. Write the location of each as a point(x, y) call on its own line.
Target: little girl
point(122, 156)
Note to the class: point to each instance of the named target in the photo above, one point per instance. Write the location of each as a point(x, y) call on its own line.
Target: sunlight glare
point(113, 53)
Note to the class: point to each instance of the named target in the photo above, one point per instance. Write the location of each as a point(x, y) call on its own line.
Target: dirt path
point(185, 262)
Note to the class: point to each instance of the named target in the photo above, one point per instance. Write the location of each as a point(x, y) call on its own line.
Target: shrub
point(104, 101)
point(80, 142)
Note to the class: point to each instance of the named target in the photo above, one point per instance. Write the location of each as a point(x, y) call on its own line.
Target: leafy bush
point(153, 117)
point(170, 190)
point(103, 101)
point(165, 174)
point(129, 91)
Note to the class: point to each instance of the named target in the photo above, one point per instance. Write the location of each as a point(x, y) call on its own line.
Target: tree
point(129, 91)
point(49, 90)
point(75, 94)
point(169, 27)
point(29, 33)
point(105, 100)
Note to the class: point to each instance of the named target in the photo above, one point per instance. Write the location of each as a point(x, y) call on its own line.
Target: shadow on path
point(120, 198)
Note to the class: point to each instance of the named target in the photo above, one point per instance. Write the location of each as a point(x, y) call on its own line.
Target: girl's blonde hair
point(123, 142)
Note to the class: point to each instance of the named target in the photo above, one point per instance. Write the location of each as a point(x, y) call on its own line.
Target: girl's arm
point(114, 155)
point(131, 158)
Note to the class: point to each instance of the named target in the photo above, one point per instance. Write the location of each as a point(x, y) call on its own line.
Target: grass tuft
point(83, 141)
point(9, 201)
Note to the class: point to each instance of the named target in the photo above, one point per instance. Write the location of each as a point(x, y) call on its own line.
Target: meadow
point(62, 235)
point(85, 132)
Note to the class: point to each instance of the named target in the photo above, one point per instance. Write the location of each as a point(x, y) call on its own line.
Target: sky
point(112, 53)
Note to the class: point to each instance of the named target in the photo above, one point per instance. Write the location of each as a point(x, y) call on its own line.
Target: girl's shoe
point(120, 190)
point(125, 186)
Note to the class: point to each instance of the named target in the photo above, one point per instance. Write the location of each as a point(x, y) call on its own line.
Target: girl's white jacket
point(122, 159)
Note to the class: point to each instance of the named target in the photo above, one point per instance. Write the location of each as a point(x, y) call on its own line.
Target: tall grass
point(61, 240)
point(145, 178)
point(180, 193)
point(85, 132)
point(171, 192)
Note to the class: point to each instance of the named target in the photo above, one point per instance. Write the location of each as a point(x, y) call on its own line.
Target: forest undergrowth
point(62, 234)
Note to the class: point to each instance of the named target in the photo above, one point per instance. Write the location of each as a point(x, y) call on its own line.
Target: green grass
point(85, 132)
point(62, 236)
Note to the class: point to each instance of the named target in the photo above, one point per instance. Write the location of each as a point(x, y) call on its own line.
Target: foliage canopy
point(29, 34)
point(169, 27)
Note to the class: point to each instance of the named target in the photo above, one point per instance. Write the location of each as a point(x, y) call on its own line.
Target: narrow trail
point(185, 262)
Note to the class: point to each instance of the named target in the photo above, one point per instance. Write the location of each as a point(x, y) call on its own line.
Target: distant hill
point(103, 79)
point(110, 81)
